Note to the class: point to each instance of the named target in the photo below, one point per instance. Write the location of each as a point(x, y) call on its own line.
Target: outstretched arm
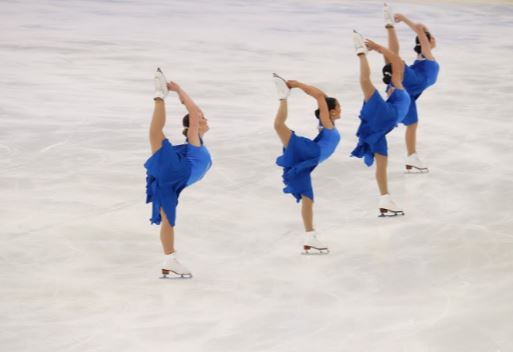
point(421, 30)
point(393, 58)
point(320, 96)
point(194, 111)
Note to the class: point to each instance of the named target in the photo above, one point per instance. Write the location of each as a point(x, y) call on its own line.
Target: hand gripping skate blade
point(175, 276)
point(386, 213)
point(308, 250)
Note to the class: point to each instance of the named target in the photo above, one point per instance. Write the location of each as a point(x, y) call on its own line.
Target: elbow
point(319, 96)
point(194, 117)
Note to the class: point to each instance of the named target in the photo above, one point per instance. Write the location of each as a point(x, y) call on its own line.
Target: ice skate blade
point(307, 250)
point(416, 170)
point(174, 276)
point(279, 77)
point(385, 213)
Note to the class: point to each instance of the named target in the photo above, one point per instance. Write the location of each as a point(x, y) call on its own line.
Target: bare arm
point(320, 96)
point(394, 59)
point(424, 42)
point(194, 111)
point(420, 30)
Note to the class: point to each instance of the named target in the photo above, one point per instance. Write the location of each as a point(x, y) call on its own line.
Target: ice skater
point(417, 78)
point(378, 117)
point(171, 168)
point(302, 155)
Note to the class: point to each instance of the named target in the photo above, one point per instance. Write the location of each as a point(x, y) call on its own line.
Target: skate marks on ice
point(437, 280)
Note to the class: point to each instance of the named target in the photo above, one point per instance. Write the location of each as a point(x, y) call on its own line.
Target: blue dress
point(168, 171)
point(417, 78)
point(377, 118)
point(301, 157)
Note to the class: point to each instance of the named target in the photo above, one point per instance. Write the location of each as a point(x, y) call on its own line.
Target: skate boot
point(281, 87)
point(359, 43)
point(387, 207)
point(312, 245)
point(389, 16)
point(161, 90)
point(172, 265)
point(415, 166)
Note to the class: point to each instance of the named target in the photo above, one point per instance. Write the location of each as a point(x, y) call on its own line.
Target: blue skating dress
point(418, 77)
point(377, 118)
point(168, 171)
point(301, 157)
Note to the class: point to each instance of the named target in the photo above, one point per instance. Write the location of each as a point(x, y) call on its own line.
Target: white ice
point(80, 262)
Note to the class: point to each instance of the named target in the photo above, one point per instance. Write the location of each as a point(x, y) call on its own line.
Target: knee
point(279, 126)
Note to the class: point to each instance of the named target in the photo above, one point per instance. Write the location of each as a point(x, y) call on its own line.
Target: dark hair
point(387, 73)
point(418, 48)
point(185, 123)
point(332, 104)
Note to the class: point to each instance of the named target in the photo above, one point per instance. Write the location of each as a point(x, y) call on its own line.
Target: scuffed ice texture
point(80, 261)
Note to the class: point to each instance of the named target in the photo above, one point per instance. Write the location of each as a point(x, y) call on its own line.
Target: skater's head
point(333, 107)
point(387, 74)
point(418, 47)
point(203, 125)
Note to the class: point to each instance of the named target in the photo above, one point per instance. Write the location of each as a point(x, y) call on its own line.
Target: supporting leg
point(411, 138)
point(167, 234)
point(381, 173)
point(307, 213)
point(158, 122)
point(365, 81)
point(279, 123)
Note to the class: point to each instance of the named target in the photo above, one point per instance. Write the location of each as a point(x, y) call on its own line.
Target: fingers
point(173, 86)
point(371, 45)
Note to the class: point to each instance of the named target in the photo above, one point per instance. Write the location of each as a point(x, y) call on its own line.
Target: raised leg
point(411, 138)
point(158, 122)
point(365, 80)
point(393, 42)
point(307, 213)
point(381, 173)
point(167, 234)
point(279, 124)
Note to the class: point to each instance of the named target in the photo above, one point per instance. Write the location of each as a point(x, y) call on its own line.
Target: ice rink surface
point(80, 261)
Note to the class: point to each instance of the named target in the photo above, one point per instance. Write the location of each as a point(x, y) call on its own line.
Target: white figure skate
point(281, 87)
point(389, 16)
point(161, 90)
point(172, 265)
point(359, 43)
point(415, 166)
point(387, 207)
point(312, 245)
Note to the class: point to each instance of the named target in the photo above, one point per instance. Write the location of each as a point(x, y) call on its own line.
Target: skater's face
point(203, 125)
point(335, 113)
